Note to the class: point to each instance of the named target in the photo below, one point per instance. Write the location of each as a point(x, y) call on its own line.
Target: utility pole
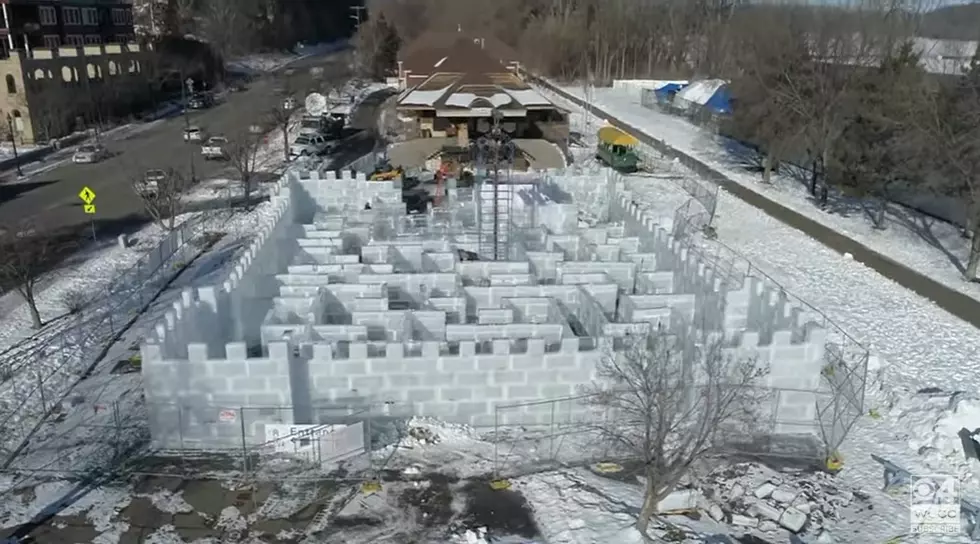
point(357, 15)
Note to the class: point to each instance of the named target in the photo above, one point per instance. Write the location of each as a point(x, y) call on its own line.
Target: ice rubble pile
point(757, 499)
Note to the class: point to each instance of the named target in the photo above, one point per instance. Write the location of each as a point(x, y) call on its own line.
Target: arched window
point(11, 85)
point(18, 121)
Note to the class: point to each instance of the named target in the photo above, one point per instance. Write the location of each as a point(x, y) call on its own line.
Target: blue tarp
point(666, 93)
point(721, 101)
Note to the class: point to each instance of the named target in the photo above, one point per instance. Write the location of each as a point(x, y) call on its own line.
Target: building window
point(121, 17)
point(72, 16)
point(52, 41)
point(93, 39)
point(74, 39)
point(18, 120)
point(11, 85)
point(46, 15)
point(90, 16)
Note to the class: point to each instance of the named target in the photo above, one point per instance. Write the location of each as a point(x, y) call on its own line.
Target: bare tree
point(225, 25)
point(281, 119)
point(243, 151)
point(162, 193)
point(25, 252)
point(671, 401)
point(768, 67)
point(951, 134)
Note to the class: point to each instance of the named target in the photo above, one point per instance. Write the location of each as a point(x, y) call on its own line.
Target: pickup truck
point(214, 148)
point(306, 145)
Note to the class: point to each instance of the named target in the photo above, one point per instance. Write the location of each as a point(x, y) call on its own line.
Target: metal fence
point(37, 374)
point(115, 438)
point(542, 435)
point(840, 397)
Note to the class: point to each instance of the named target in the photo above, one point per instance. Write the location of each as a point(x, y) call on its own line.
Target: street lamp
point(13, 142)
point(186, 88)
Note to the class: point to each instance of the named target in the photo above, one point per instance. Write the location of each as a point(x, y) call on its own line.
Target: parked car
point(88, 154)
point(150, 184)
point(200, 101)
point(306, 145)
point(193, 134)
point(214, 148)
point(289, 103)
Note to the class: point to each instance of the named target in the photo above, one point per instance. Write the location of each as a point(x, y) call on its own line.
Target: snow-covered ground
point(270, 62)
point(914, 344)
point(929, 246)
point(41, 367)
point(7, 150)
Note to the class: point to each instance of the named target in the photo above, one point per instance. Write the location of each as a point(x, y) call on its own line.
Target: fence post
point(116, 423)
point(496, 441)
point(241, 416)
point(180, 432)
point(112, 328)
point(139, 282)
point(40, 388)
point(551, 431)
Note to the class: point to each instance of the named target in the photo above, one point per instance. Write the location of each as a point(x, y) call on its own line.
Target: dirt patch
point(503, 512)
point(432, 499)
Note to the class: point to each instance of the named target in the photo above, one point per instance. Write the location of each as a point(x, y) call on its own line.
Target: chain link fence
point(840, 396)
point(542, 435)
point(37, 374)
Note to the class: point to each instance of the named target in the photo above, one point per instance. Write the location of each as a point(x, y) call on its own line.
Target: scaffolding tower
point(494, 153)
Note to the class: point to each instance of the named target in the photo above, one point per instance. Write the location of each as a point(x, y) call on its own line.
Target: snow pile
point(231, 521)
point(429, 445)
point(933, 422)
point(100, 506)
point(478, 536)
point(423, 431)
point(168, 501)
point(570, 512)
point(164, 535)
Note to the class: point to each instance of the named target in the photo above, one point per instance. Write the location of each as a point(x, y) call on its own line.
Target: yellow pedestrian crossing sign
point(87, 195)
point(90, 208)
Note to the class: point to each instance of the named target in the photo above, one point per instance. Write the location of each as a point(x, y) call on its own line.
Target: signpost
point(88, 198)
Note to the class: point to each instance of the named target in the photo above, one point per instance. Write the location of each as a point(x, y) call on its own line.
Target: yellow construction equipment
point(386, 176)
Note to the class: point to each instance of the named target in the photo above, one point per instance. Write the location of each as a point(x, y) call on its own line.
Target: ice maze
point(346, 302)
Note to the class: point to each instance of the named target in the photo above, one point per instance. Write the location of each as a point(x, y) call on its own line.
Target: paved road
point(50, 198)
point(963, 306)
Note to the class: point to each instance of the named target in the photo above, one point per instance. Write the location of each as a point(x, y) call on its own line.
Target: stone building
point(64, 59)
